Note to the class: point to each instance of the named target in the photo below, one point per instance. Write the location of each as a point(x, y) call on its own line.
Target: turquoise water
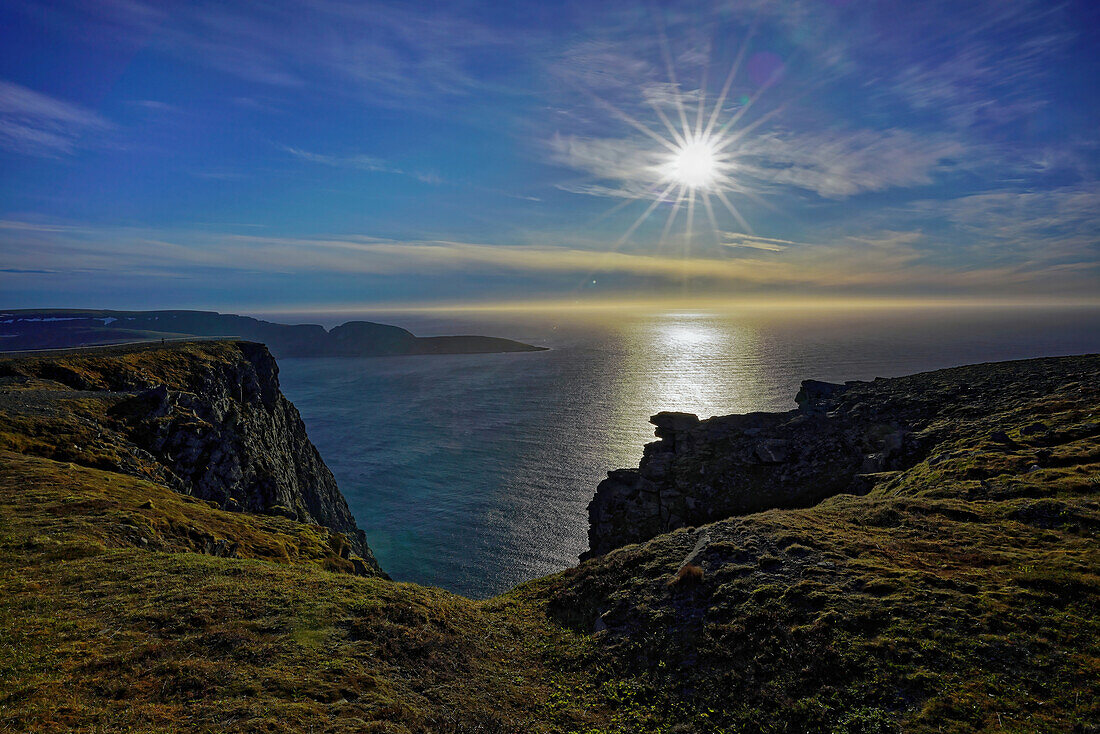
point(473, 472)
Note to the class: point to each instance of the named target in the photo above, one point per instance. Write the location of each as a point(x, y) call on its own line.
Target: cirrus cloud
point(33, 123)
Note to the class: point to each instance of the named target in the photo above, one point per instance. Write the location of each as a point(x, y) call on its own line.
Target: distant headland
point(67, 328)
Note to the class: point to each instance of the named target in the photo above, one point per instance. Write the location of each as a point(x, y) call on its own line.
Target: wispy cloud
point(844, 164)
point(907, 146)
point(1057, 226)
point(986, 70)
point(20, 226)
point(152, 105)
point(939, 86)
point(390, 53)
point(362, 163)
point(37, 124)
point(883, 262)
point(768, 244)
point(614, 166)
point(669, 95)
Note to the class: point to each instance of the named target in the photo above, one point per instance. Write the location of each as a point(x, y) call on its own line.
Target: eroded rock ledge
point(842, 438)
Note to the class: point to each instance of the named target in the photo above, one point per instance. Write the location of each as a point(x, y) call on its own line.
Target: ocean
point(473, 472)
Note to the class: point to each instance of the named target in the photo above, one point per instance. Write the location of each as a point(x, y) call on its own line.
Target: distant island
point(67, 328)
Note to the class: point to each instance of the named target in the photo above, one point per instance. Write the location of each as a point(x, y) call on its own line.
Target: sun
point(696, 164)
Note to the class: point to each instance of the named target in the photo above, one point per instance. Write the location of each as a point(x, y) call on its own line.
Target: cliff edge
point(842, 439)
point(206, 419)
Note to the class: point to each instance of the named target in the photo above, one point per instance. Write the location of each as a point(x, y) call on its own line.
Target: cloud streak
point(36, 124)
point(768, 244)
point(388, 53)
point(888, 262)
point(842, 165)
point(362, 163)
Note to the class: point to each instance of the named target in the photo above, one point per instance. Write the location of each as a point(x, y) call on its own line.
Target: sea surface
point(473, 472)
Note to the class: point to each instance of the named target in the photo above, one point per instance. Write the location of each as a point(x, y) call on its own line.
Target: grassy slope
point(115, 616)
point(960, 595)
point(100, 633)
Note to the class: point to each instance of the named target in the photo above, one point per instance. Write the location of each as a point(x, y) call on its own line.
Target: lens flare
point(694, 159)
point(696, 164)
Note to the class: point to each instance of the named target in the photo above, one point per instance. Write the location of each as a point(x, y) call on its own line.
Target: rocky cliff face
point(840, 439)
point(954, 565)
point(212, 420)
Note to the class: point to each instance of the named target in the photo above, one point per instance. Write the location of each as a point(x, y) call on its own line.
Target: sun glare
point(695, 165)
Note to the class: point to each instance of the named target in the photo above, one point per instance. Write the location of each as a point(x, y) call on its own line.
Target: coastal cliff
point(908, 555)
point(842, 438)
point(915, 554)
point(205, 419)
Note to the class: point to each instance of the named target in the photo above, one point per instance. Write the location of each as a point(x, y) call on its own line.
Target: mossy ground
point(100, 633)
point(959, 595)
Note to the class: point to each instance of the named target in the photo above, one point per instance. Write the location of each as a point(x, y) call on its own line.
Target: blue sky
point(335, 153)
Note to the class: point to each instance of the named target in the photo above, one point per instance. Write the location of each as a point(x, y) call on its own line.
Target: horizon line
point(577, 305)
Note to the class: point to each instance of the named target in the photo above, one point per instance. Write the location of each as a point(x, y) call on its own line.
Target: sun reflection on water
point(688, 362)
point(476, 470)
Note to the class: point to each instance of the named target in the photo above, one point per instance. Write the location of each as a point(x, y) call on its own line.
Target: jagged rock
point(673, 422)
point(232, 437)
point(773, 450)
point(815, 392)
point(841, 439)
point(223, 548)
point(873, 463)
point(673, 427)
point(658, 466)
point(703, 470)
point(362, 567)
point(213, 423)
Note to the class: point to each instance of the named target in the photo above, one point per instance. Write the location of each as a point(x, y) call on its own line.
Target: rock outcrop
point(842, 438)
point(213, 419)
point(703, 471)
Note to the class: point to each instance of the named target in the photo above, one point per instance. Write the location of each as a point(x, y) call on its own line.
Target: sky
point(334, 154)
